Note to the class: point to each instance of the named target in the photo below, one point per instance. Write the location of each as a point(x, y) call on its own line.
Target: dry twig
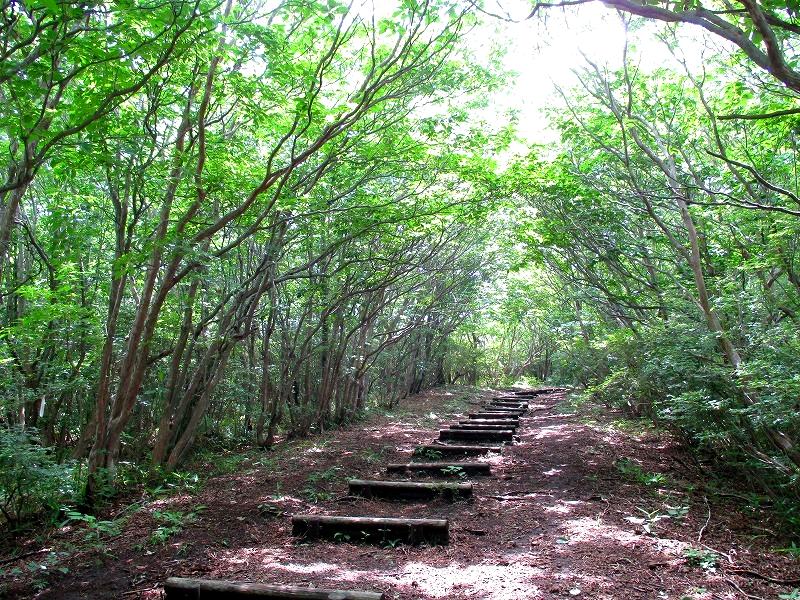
point(741, 591)
point(708, 520)
point(21, 556)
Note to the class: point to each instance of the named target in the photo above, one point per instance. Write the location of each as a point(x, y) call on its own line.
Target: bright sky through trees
point(544, 52)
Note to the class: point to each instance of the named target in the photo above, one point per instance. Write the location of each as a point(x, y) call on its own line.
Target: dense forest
point(228, 223)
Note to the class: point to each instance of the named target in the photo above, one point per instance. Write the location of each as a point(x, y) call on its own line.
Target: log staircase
point(484, 432)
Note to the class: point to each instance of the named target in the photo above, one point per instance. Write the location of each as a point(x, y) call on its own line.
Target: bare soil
point(576, 508)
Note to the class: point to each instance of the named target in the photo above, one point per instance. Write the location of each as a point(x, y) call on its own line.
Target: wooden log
point(434, 451)
point(482, 426)
point(495, 407)
point(508, 423)
point(409, 490)
point(503, 411)
point(516, 405)
point(476, 435)
point(374, 530)
point(514, 412)
point(488, 415)
point(181, 588)
point(441, 469)
point(534, 393)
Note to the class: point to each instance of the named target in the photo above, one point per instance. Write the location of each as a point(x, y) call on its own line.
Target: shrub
point(31, 481)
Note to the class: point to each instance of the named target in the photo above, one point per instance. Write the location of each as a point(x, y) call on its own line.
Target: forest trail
point(575, 508)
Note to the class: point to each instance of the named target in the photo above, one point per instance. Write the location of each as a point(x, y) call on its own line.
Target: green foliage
point(677, 512)
point(219, 172)
point(319, 482)
point(98, 532)
point(648, 521)
point(175, 482)
point(172, 523)
point(453, 470)
point(41, 571)
point(375, 456)
point(785, 507)
point(272, 222)
point(792, 550)
point(672, 269)
point(32, 483)
point(635, 473)
point(427, 454)
point(270, 510)
point(704, 559)
point(330, 474)
point(315, 495)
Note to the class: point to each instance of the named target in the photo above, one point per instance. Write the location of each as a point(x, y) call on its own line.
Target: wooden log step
point(374, 530)
point(482, 426)
point(503, 411)
point(508, 423)
point(508, 413)
point(409, 490)
point(476, 435)
point(435, 451)
point(181, 588)
point(441, 469)
point(493, 416)
point(517, 405)
point(494, 407)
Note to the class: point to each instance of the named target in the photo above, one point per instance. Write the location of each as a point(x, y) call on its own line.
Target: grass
point(635, 473)
point(427, 454)
point(704, 559)
point(375, 456)
point(452, 400)
point(317, 483)
point(792, 550)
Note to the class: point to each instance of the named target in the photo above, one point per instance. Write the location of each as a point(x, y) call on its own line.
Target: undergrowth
point(760, 491)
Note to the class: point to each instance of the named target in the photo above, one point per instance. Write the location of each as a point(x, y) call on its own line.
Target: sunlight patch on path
point(558, 509)
point(490, 582)
point(486, 581)
point(552, 431)
point(587, 529)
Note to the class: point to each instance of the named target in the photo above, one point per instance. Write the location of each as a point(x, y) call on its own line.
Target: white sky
point(545, 50)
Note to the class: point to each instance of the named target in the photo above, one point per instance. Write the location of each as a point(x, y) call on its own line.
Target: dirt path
point(572, 510)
